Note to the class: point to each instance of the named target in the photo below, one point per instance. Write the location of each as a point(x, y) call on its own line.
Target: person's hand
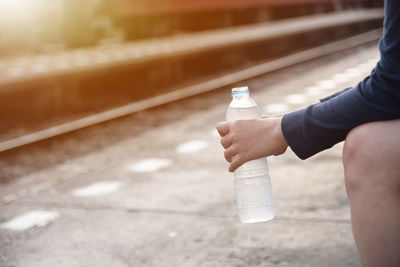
point(246, 140)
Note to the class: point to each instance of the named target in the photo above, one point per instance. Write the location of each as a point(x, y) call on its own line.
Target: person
point(367, 118)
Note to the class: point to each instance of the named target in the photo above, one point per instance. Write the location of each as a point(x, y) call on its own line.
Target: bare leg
point(371, 158)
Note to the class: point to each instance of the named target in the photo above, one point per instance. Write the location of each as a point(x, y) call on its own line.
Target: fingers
point(230, 153)
point(234, 158)
point(236, 163)
point(226, 141)
point(223, 128)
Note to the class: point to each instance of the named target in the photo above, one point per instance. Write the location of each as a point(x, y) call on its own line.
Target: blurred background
point(43, 26)
point(107, 115)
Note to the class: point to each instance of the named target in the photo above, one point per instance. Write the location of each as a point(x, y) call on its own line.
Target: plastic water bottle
point(252, 181)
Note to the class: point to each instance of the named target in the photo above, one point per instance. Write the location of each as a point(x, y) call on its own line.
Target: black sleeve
point(376, 98)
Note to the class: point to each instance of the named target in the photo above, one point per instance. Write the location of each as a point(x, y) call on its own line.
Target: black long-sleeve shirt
point(376, 98)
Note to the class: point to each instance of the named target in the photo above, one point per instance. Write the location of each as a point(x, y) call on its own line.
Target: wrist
point(279, 142)
point(280, 135)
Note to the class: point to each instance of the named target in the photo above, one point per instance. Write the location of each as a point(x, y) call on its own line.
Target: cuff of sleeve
point(293, 129)
point(334, 95)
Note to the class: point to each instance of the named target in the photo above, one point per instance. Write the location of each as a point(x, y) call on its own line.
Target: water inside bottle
point(254, 192)
point(254, 199)
point(252, 181)
point(234, 113)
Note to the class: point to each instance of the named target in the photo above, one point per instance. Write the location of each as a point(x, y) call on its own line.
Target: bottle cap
point(240, 90)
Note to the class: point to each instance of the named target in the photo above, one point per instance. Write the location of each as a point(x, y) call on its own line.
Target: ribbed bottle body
point(253, 187)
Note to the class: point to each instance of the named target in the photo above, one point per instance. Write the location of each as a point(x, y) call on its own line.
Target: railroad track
point(235, 37)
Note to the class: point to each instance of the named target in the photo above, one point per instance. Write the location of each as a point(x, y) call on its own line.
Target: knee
point(354, 157)
point(367, 165)
point(357, 146)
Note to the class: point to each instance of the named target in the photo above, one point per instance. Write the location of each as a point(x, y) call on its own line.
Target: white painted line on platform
point(276, 108)
point(191, 146)
point(314, 91)
point(172, 234)
point(150, 165)
point(326, 84)
point(295, 99)
point(353, 72)
point(341, 77)
point(97, 189)
point(37, 218)
point(363, 66)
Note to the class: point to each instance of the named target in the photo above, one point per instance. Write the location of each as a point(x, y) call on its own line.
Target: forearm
point(376, 98)
point(320, 126)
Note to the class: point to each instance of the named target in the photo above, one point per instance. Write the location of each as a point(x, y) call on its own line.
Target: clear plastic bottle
point(252, 181)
